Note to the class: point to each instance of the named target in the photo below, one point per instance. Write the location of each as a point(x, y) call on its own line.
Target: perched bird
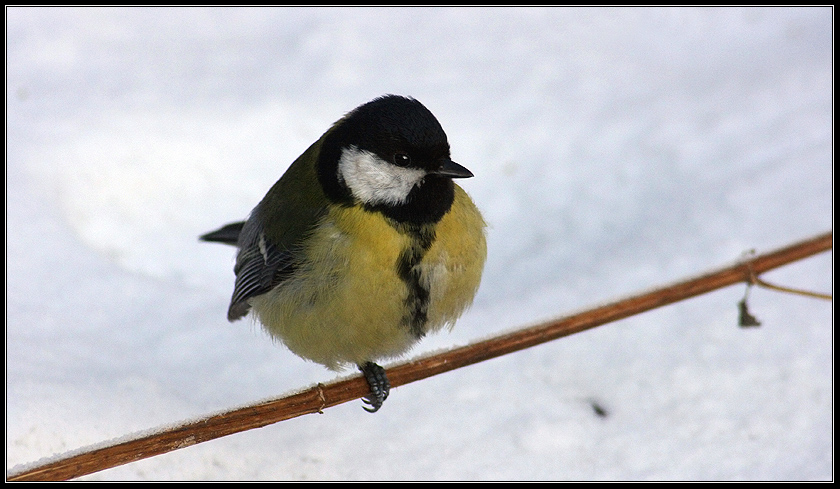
point(364, 245)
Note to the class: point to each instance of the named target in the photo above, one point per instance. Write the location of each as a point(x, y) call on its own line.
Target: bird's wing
point(261, 265)
point(273, 235)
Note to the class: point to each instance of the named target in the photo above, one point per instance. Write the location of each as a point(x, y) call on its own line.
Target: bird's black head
point(390, 155)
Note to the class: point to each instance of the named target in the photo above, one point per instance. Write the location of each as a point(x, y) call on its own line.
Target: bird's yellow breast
point(346, 301)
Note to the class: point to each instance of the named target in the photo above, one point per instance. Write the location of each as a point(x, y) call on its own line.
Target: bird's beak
point(452, 170)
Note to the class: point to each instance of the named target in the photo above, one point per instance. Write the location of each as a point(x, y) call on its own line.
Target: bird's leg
point(379, 386)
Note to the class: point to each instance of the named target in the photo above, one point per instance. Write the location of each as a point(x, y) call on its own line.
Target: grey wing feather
point(260, 266)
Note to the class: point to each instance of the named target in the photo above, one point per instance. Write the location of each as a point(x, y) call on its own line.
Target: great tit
point(364, 245)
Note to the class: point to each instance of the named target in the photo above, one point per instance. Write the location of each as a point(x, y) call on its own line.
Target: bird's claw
point(379, 386)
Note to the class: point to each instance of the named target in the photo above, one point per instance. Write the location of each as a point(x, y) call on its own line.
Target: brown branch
point(317, 398)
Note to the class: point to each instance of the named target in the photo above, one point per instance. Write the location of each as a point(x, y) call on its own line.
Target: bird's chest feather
point(368, 259)
point(365, 289)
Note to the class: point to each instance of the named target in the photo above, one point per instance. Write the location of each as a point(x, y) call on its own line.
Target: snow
point(614, 149)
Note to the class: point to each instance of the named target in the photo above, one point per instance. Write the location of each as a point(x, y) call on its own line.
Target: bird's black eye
point(402, 159)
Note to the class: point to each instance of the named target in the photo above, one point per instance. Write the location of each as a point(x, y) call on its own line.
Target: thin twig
point(315, 399)
point(807, 293)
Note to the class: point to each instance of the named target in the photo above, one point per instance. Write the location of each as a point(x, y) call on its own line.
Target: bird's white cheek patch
point(375, 181)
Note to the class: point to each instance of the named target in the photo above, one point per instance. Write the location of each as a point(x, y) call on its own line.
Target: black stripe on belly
point(417, 300)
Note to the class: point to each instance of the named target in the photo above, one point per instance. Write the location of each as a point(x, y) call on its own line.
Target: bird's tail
point(228, 234)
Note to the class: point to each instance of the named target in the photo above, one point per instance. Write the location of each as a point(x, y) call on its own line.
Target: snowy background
point(614, 150)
